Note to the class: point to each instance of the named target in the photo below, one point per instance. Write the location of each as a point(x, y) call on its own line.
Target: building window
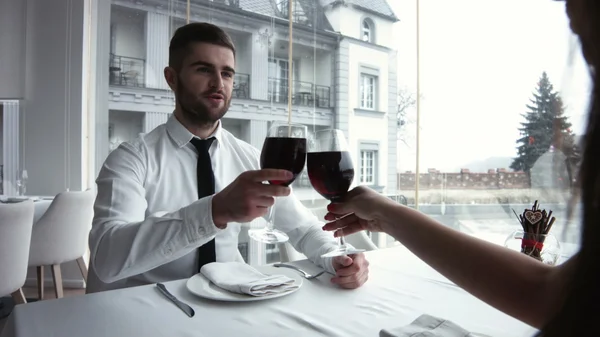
point(367, 31)
point(367, 166)
point(367, 91)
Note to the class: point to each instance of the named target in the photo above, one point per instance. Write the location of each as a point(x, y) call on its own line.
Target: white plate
point(201, 286)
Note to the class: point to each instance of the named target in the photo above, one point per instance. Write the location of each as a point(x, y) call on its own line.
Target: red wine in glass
point(330, 173)
point(284, 153)
point(283, 149)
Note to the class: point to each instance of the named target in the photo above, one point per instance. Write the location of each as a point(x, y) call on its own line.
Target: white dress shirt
point(148, 221)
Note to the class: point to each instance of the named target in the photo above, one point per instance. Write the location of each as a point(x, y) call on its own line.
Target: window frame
point(366, 147)
point(364, 94)
point(369, 30)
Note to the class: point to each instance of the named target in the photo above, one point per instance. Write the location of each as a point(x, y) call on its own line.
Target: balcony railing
point(241, 86)
point(127, 71)
point(303, 93)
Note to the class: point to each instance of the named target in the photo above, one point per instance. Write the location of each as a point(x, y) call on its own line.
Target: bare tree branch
point(407, 100)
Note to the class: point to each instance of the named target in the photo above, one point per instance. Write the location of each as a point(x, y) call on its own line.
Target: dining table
point(400, 288)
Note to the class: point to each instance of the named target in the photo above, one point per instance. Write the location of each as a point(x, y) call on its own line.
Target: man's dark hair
point(195, 32)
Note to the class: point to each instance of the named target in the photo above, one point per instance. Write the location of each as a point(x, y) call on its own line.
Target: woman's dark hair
point(195, 32)
point(581, 308)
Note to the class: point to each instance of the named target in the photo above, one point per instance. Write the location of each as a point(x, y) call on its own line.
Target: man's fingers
point(351, 282)
point(348, 271)
point(269, 175)
point(264, 201)
point(265, 190)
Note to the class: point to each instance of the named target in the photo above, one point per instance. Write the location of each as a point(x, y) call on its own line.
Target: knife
point(184, 307)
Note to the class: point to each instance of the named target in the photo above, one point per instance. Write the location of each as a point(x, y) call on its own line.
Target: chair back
point(16, 221)
point(61, 234)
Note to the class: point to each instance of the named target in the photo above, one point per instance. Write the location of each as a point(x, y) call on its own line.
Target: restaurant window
point(460, 167)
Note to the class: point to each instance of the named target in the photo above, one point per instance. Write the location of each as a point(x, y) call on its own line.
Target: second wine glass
point(331, 173)
point(284, 149)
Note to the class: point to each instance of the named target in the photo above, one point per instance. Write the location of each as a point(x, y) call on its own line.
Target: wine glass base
point(342, 251)
point(268, 235)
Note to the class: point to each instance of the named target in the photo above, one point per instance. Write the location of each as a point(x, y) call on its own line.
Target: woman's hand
point(357, 211)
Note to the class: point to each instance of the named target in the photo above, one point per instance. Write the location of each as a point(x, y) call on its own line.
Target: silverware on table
point(184, 307)
point(305, 274)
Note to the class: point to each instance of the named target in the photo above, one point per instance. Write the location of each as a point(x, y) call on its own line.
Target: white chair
point(359, 240)
point(16, 221)
point(61, 235)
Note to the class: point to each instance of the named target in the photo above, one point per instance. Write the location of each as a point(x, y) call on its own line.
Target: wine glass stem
point(342, 242)
point(271, 218)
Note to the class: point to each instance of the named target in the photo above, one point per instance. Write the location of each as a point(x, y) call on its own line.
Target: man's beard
point(194, 110)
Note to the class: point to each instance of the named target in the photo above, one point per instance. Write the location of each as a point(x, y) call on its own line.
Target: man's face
point(203, 85)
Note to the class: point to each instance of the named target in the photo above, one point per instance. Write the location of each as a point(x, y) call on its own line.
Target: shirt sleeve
point(123, 241)
point(305, 231)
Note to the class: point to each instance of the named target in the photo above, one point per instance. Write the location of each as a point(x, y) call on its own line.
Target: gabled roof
point(307, 9)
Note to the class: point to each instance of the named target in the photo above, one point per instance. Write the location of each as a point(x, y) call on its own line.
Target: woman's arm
point(510, 281)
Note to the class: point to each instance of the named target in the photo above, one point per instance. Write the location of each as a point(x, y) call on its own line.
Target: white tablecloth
point(400, 288)
point(41, 204)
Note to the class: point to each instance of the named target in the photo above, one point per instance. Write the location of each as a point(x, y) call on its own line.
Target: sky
point(480, 63)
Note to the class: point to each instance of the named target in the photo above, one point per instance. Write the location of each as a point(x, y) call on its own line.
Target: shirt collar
point(182, 136)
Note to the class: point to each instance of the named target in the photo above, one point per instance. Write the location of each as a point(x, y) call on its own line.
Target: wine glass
point(330, 171)
point(284, 149)
point(21, 182)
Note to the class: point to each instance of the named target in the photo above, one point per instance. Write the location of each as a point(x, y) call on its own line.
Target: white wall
point(128, 30)
point(52, 130)
point(235, 126)
point(363, 128)
point(334, 16)
point(1, 134)
point(348, 21)
point(12, 49)
point(324, 71)
point(243, 52)
point(126, 126)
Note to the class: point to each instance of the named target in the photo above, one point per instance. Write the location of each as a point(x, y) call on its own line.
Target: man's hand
point(351, 271)
point(247, 197)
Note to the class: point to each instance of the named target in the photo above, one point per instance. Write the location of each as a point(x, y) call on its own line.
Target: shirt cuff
point(328, 264)
point(198, 216)
point(328, 261)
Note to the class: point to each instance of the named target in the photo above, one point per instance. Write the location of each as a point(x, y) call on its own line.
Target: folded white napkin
point(241, 278)
point(429, 326)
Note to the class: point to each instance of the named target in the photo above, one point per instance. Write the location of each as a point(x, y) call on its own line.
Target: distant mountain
point(489, 163)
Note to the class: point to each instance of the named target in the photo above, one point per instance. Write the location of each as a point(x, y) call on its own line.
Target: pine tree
point(545, 128)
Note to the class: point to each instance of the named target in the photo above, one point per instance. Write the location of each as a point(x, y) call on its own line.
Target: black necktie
point(206, 187)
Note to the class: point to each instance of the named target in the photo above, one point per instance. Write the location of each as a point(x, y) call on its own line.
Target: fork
point(305, 274)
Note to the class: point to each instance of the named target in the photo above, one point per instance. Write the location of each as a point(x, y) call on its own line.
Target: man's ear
point(171, 78)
